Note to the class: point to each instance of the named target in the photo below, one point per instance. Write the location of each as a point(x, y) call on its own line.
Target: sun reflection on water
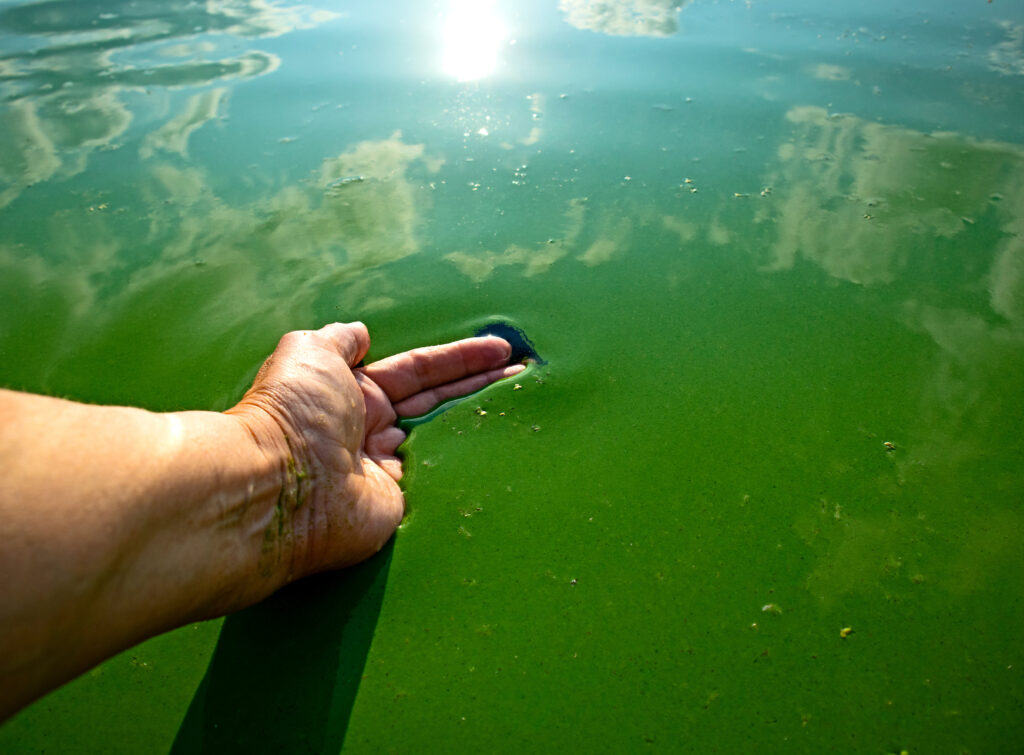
point(473, 34)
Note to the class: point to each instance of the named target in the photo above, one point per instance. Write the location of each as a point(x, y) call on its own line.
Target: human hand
point(333, 425)
point(122, 523)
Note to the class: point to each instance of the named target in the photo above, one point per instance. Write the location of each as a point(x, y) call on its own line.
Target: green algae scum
point(765, 494)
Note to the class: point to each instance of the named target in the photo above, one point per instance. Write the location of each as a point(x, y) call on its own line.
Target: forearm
point(118, 524)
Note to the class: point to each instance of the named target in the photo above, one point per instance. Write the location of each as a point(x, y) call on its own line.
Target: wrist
point(278, 484)
point(258, 485)
point(213, 540)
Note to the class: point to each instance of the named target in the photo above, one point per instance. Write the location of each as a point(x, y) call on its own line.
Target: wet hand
point(333, 426)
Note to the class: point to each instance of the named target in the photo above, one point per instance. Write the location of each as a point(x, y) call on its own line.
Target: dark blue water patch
point(522, 348)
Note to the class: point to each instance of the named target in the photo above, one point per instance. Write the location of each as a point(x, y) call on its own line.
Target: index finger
point(412, 372)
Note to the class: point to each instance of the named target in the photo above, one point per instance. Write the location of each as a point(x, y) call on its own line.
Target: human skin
point(117, 524)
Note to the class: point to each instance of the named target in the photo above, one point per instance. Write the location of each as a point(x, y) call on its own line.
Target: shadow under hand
point(285, 673)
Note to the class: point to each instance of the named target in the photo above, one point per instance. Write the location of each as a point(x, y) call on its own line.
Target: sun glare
point(473, 35)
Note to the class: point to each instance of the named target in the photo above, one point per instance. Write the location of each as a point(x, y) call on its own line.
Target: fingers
point(382, 437)
point(426, 400)
point(419, 370)
point(351, 339)
point(379, 412)
point(381, 447)
point(392, 465)
point(385, 442)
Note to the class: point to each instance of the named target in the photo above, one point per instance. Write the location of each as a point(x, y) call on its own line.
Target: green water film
point(766, 494)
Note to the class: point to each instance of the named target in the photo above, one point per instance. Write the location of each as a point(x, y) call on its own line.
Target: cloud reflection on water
point(65, 97)
point(630, 18)
point(887, 206)
point(861, 199)
point(534, 258)
point(173, 136)
point(194, 262)
point(936, 219)
point(1007, 57)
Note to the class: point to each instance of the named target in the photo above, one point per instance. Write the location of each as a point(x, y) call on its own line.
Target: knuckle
point(292, 338)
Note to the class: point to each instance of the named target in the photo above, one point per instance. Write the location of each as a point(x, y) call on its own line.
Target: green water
point(655, 543)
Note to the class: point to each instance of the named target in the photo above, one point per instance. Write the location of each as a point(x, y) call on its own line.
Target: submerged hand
point(340, 500)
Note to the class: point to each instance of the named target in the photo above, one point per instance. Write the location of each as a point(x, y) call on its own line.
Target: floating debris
point(889, 446)
point(340, 183)
point(845, 632)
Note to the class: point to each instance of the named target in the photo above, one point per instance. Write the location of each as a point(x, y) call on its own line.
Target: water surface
point(773, 254)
